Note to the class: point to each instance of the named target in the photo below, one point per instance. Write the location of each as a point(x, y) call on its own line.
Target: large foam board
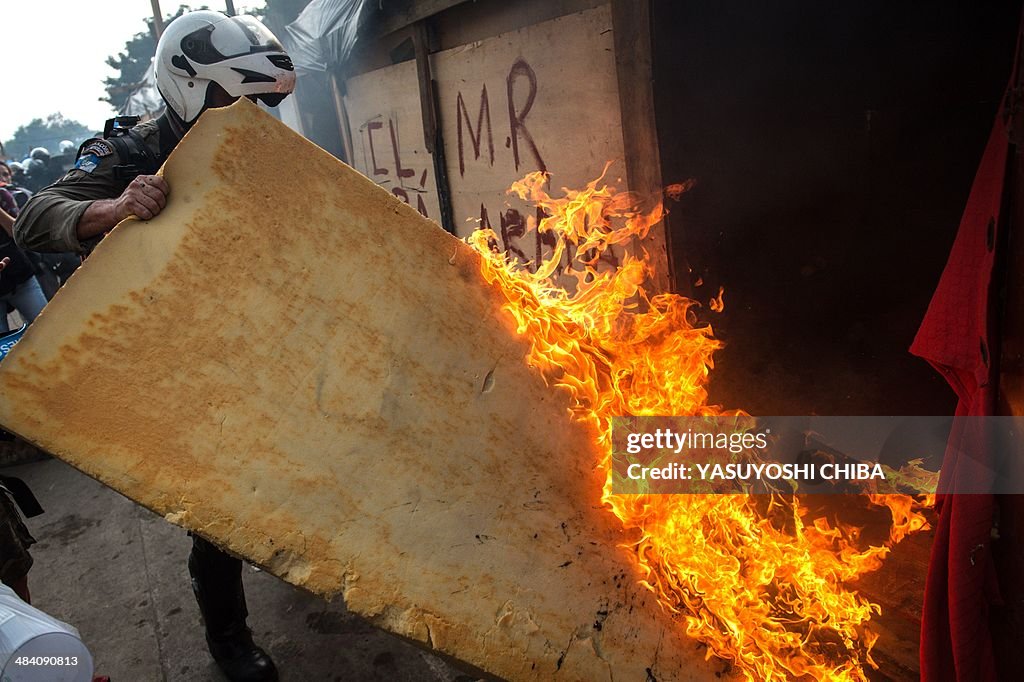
point(297, 365)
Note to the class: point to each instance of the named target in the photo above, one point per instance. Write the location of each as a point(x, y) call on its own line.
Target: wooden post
point(342, 114)
point(432, 140)
point(631, 26)
point(158, 18)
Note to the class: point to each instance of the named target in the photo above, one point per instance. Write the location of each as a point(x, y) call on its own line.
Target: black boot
point(217, 582)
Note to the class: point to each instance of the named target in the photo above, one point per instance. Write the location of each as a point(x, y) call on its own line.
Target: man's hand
point(144, 197)
point(4, 262)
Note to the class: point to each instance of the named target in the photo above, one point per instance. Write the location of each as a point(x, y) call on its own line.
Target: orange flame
point(717, 304)
point(750, 577)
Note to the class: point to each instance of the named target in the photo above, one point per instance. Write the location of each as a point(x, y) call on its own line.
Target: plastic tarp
point(324, 33)
point(145, 100)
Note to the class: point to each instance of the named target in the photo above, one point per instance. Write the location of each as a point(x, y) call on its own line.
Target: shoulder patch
point(87, 162)
point(98, 148)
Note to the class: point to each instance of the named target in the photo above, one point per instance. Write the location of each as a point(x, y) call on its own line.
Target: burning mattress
point(299, 367)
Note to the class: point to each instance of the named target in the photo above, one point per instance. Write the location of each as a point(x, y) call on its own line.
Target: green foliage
point(132, 62)
point(48, 133)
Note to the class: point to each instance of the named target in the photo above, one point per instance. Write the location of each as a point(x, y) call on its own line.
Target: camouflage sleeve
point(49, 221)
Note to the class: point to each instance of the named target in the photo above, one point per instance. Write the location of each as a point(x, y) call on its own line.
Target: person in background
point(19, 288)
point(52, 269)
point(14, 536)
point(8, 182)
point(65, 160)
point(15, 560)
point(41, 171)
point(12, 178)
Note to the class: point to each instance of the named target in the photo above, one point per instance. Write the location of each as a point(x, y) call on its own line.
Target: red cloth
point(955, 640)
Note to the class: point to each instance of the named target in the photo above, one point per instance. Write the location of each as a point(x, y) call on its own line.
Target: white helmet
point(239, 54)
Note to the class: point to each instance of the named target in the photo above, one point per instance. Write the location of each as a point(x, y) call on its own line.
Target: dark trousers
point(217, 582)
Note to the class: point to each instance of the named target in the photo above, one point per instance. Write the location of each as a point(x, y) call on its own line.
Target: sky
point(65, 72)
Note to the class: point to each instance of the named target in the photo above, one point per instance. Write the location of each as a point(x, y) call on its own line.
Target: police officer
point(203, 59)
point(42, 169)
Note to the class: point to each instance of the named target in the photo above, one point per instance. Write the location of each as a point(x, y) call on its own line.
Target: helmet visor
point(272, 99)
point(232, 37)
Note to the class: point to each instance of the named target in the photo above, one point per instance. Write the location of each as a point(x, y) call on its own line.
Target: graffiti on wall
point(541, 98)
point(513, 222)
point(382, 162)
